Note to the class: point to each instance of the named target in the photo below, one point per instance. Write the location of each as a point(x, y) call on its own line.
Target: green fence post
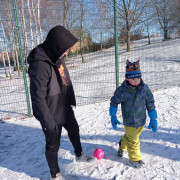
point(116, 43)
point(21, 56)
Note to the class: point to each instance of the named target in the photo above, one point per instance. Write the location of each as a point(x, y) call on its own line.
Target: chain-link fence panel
point(91, 67)
point(146, 30)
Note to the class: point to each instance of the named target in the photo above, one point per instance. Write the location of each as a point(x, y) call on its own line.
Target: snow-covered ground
point(22, 145)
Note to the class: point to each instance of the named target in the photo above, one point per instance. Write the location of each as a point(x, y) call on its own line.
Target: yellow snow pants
point(130, 142)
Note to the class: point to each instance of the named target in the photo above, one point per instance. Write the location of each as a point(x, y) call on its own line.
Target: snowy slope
point(22, 145)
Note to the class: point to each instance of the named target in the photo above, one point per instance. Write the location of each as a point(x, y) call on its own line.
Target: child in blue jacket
point(135, 98)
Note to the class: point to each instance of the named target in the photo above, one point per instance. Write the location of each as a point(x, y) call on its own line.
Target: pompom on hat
point(132, 70)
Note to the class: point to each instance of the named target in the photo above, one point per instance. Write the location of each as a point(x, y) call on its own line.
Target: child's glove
point(114, 121)
point(153, 122)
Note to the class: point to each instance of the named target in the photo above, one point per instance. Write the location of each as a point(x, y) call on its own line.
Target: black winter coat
point(50, 85)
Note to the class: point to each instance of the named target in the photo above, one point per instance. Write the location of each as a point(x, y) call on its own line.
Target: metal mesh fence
point(90, 21)
point(92, 66)
point(12, 92)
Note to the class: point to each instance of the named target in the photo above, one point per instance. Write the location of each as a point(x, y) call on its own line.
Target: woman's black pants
point(53, 141)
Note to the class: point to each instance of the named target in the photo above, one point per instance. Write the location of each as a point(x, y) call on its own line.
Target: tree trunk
point(24, 31)
point(35, 23)
point(39, 22)
point(101, 41)
point(9, 63)
point(5, 45)
point(14, 59)
point(30, 25)
point(16, 51)
point(128, 40)
point(81, 32)
point(3, 59)
point(64, 13)
point(25, 46)
point(12, 39)
point(149, 40)
point(166, 33)
point(17, 59)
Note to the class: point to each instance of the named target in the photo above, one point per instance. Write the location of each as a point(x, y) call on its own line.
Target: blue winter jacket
point(134, 102)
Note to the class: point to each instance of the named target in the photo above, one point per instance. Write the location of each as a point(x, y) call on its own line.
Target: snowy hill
point(22, 146)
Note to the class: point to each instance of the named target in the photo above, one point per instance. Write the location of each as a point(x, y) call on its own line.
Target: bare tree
point(39, 20)
point(6, 49)
point(30, 24)
point(13, 41)
point(103, 20)
point(148, 32)
point(51, 14)
point(176, 14)
point(149, 16)
point(8, 30)
point(35, 21)
point(3, 59)
point(130, 11)
point(24, 20)
point(81, 30)
point(72, 15)
point(165, 15)
point(65, 11)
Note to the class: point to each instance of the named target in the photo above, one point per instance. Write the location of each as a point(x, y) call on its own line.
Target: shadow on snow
point(22, 148)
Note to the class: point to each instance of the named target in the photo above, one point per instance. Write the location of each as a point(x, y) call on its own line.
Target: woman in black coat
point(52, 95)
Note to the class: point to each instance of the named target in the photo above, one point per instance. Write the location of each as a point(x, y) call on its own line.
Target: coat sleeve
point(40, 73)
point(150, 104)
point(117, 98)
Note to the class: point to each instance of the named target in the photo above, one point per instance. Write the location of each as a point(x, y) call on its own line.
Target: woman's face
point(135, 81)
point(74, 48)
point(65, 54)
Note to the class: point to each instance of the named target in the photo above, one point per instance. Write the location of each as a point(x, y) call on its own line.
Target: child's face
point(135, 81)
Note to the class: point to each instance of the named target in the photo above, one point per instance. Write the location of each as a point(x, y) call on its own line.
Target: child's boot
point(137, 164)
point(120, 151)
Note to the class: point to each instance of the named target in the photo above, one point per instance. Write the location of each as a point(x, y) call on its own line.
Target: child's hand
point(112, 113)
point(153, 122)
point(114, 122)
point(153, 125)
